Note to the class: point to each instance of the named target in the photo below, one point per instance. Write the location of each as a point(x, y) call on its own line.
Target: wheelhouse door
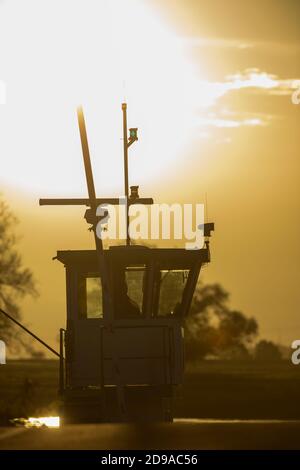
point(86, 330)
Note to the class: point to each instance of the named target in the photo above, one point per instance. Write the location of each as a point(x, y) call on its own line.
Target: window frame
point(82, 295)
point(120, 268)
point(158, 269)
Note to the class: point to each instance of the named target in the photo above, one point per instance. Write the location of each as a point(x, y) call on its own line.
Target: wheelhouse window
point(90, 300)
point(170, 288)
point(129, 288)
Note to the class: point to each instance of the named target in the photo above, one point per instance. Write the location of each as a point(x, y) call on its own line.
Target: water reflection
point(43, 421)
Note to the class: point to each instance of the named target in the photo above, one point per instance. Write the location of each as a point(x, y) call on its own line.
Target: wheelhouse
point(159, 281)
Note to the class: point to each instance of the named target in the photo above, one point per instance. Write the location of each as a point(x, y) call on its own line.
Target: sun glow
point(48, 421)
point(97, 56)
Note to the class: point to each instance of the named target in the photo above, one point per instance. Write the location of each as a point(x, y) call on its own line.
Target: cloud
point(254, 78)
point(235, 121)
point(251, 78)
point(206, 95)
point(215, 42)
point(278, 47)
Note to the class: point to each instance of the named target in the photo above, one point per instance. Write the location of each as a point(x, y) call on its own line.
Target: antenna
point(124, 89)
point(126, 144)
point(125, 149)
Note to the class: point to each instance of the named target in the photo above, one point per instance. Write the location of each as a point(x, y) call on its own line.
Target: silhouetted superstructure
point(122, 352)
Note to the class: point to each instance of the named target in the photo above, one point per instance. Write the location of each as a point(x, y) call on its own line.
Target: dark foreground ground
point(228, 394)
point(221, 390)
point(179, 435)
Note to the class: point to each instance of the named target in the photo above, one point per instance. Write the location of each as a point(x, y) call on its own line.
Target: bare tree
point(16, 281)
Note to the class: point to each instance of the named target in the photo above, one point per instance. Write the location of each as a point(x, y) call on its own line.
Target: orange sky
point(210, 89)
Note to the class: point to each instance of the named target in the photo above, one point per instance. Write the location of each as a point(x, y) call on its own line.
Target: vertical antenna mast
point(125, 146)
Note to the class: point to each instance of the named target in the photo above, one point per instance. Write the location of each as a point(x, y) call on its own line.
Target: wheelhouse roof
point(167, 258)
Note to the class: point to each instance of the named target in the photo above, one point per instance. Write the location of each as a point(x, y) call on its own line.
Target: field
point(213, 389)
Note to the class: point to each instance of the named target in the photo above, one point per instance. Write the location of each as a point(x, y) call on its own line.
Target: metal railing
point(62, 371)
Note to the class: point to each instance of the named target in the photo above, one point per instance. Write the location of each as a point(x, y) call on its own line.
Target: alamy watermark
point(2, 352)
point(296, 354)
point(159, 221)
point(296, 93)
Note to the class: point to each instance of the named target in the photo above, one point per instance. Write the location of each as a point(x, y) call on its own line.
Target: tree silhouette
point(212, 328)
point(267, 351)
point(16, 281)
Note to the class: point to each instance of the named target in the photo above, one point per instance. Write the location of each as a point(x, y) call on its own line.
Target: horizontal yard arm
point(86, 201)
